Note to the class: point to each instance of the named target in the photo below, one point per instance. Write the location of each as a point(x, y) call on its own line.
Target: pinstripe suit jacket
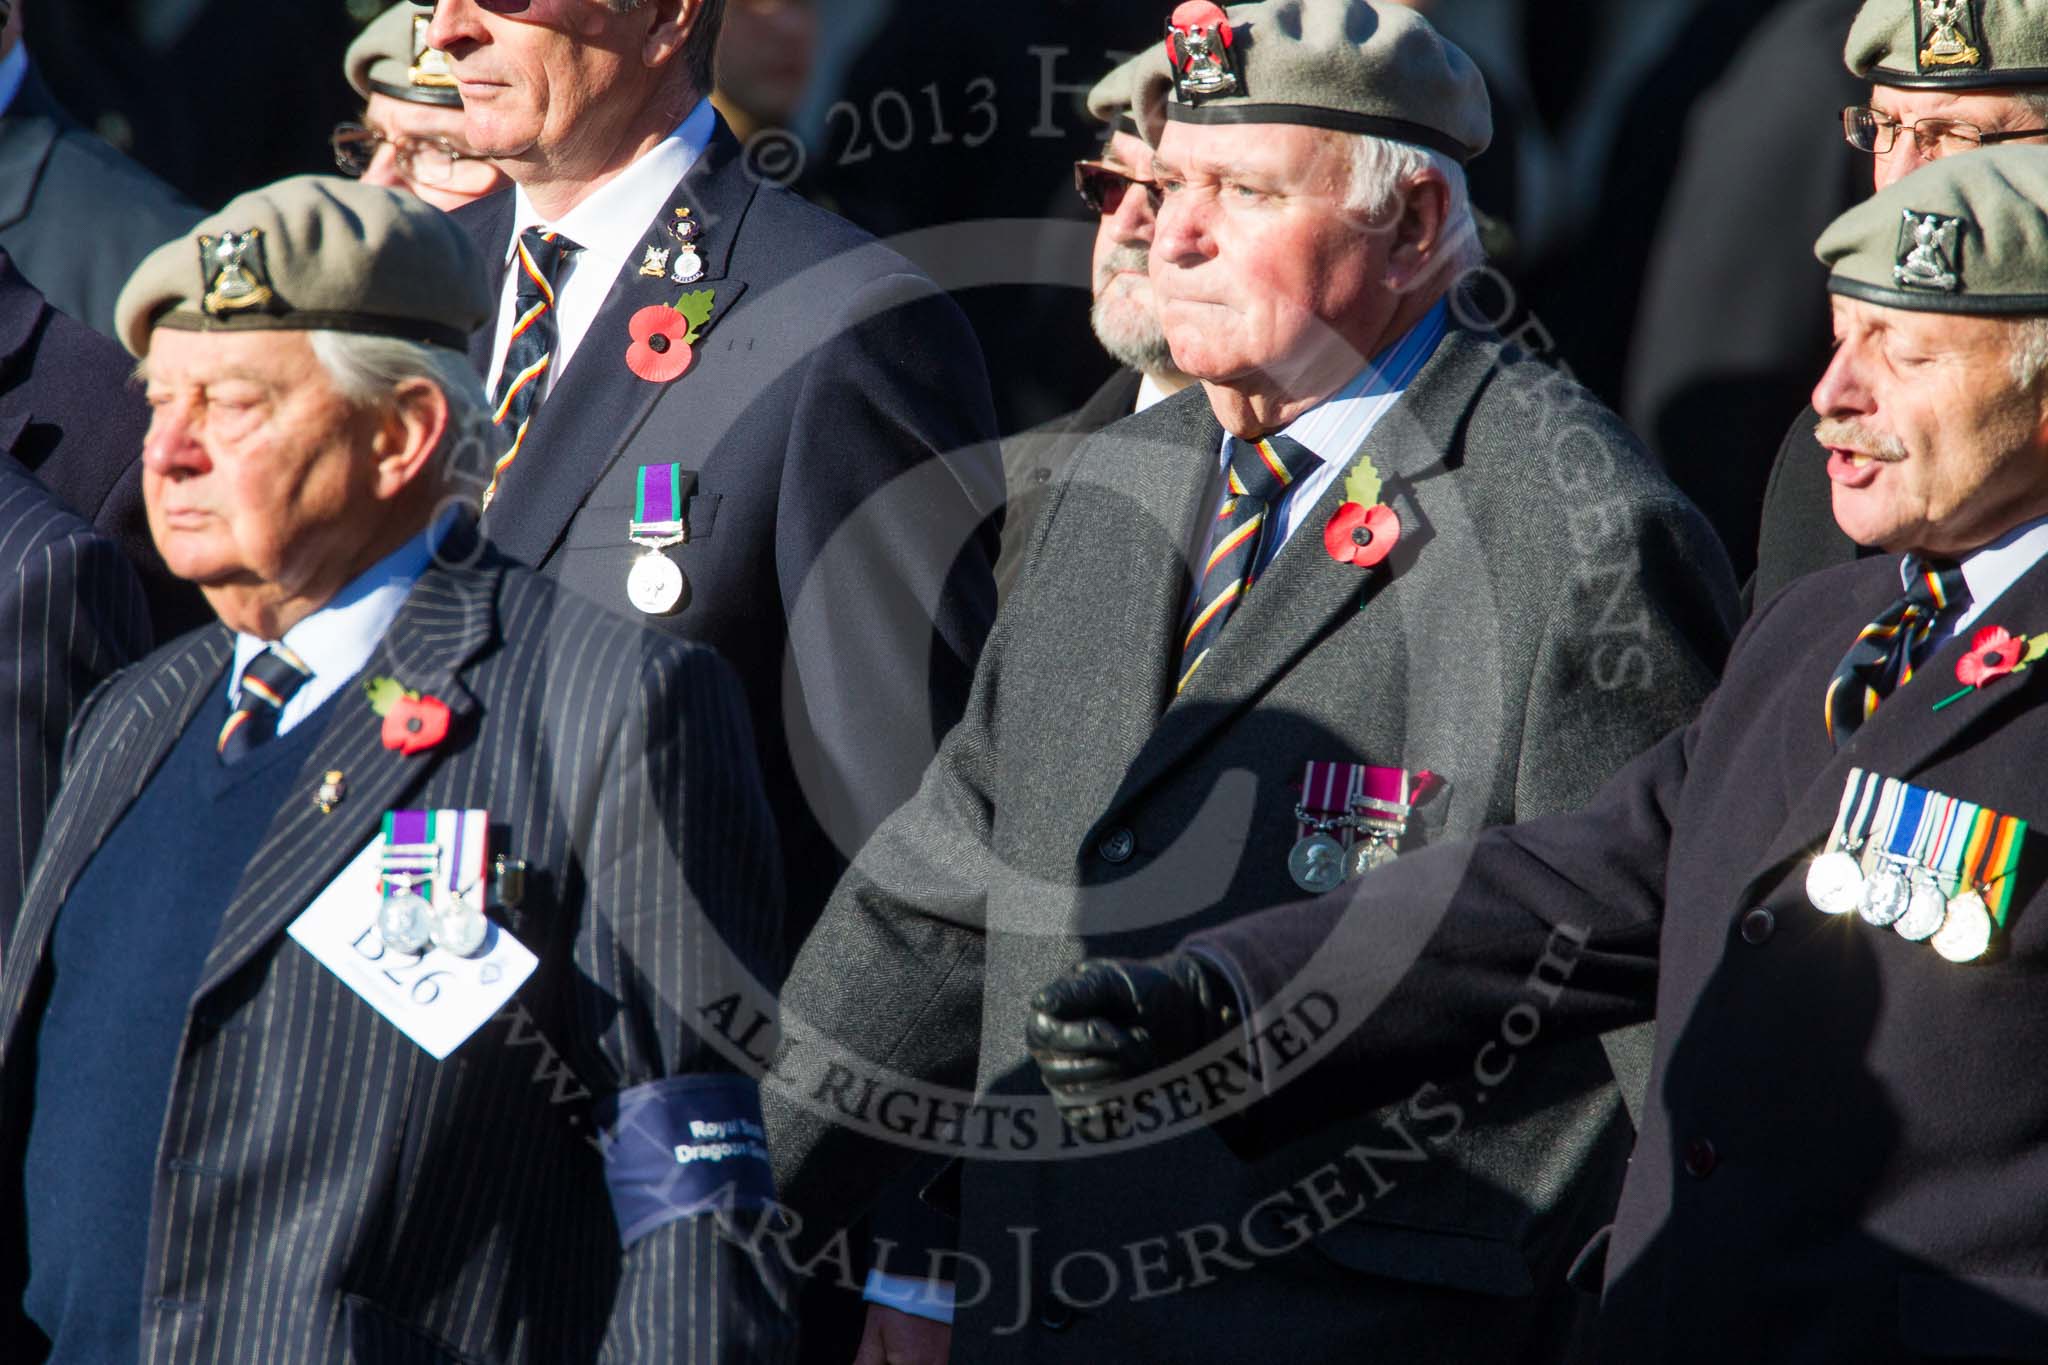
point(71, 612)
point(326, 1191)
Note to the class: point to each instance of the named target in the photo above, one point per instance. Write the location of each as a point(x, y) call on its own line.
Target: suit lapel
point(1304, 594)
point(101, 788)
point(21, 314)
point(598, 405)
point(1907, 734)
point(447, 620)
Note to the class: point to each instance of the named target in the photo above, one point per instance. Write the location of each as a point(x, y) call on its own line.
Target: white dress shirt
point(338, 640)
point(610, 228)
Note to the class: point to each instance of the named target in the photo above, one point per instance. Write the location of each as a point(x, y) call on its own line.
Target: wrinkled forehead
point(1284, 154)
point(273, 359)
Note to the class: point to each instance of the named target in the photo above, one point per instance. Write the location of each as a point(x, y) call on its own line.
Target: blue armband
point(683, 1146)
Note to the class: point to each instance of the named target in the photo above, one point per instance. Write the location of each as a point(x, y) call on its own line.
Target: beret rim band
point(362, 324)
point(1961, 80)
point(1920, 301)
point(1315, 116)
point(417, 94)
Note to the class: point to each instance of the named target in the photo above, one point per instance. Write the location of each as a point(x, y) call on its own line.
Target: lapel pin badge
point(332, 789)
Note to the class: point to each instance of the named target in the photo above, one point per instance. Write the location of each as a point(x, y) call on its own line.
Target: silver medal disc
point(1317, 864)
point(1369, 854)
point(461, 929)
point(1925, 910)
point(656, 585)
point(403, 923)
point(1966, 933)
point(1885, 897)
point(1834, 884)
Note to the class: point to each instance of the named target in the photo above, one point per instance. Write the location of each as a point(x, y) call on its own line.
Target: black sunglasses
point(1102, 186)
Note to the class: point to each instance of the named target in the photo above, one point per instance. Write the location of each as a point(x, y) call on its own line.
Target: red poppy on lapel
point(660, 349)
point(413, 722)
point(1994, 652)
point(665, 334)
point(1362, 535)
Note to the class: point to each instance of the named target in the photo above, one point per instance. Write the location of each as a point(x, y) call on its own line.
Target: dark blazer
point(1798, 535)
point(1034, 460)
point(326, 1188)
point(71, 613)
point(1554, 606)
point(837, 419)
point(70, 412)
point(75, 214)
point(1842, 1158)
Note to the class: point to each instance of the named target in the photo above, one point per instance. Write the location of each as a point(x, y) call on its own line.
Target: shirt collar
point(613, 221)
point(1335, 427)
point(1150, 391)
point(13, 75)
point(336, 641)
point(1989, 571)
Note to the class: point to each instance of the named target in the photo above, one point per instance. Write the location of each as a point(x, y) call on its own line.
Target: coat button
point(1041, 476)
point(1758, 926)
point(1117, 846)
point(1701, 1158)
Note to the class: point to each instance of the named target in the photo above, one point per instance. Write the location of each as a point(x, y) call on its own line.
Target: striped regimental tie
point(1261, 472)
point(1881, 660)
point(531, 350)
point(269, 681)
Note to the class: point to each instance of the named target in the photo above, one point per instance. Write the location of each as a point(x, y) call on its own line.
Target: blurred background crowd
point(1658, 167)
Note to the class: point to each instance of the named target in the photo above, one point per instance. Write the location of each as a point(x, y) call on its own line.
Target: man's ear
point(1420, 231)
point(669, 26)
point(410, 433)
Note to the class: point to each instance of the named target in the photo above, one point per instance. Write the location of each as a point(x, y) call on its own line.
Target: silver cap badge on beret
point(1199, 43)
point(429, 68)
point(1930, 252)
point(1948, 34)
point(232, 266)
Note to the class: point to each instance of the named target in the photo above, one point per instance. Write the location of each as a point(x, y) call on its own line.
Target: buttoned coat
point(836, 419)
point(1553, 605)
point(1842, 1154)
point(325, 1190)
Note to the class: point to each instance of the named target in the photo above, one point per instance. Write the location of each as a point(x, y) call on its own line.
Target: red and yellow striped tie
point(1881, 660)
point(1261, 472)
point(530, 352)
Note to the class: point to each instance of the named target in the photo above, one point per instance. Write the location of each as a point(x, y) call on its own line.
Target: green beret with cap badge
point(1351, 66)
point(1965, 234)
point(1958, 44)
point(314, 253)
point(391, 57)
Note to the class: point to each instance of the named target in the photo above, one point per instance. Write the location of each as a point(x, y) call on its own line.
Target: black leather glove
point(1111, 1020)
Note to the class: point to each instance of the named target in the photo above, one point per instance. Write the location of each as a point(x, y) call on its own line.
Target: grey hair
point(2029, 354)
point(1380, 168)
point(701, 49)
point(365, 369)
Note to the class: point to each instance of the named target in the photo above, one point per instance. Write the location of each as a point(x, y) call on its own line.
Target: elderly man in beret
point(1378, 581)
point(1828, 886)
point(349, 1016)
point(411, 135)
point(1946, 78)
